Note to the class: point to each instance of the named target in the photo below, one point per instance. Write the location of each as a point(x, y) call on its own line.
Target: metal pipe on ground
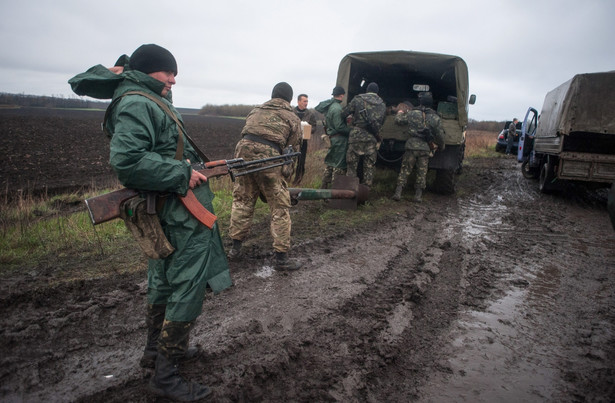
point(346, 193)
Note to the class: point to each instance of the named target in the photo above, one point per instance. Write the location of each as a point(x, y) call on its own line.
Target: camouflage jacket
point(275, 121)
point(416, 120)
point(375, 110)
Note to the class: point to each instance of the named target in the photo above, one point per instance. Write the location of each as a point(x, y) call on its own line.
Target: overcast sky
point(234, 52)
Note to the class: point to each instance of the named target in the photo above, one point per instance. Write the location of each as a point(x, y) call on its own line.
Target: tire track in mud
point(545, 331)
point(336, 354)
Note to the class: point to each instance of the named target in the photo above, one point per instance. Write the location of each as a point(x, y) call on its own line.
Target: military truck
point(401, 75)
point(573, 138)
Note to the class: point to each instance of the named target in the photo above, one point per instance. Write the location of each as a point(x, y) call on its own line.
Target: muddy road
point(497, 294)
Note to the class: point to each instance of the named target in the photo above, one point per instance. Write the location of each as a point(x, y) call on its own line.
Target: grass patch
point(480, 144)
point(55, 233)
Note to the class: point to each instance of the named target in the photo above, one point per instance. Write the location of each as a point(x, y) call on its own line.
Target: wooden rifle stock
point(107, 207)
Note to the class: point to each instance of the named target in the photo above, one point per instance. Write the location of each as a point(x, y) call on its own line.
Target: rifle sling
point(189, 201)
point(180, 127)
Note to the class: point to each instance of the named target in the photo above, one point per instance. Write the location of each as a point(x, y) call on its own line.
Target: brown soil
point(499, 293)
point(58, 150)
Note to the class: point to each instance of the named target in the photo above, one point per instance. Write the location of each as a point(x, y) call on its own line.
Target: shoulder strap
point(181, 131)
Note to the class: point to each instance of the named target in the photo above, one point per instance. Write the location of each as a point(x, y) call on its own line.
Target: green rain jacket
point(337, 130)
point(142, 154)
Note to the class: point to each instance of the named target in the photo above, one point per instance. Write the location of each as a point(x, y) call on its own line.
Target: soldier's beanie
point(372, 87)
point(282, 90)
point(151, 58)
point(338, 91)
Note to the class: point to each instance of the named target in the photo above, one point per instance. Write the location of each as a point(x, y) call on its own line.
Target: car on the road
point(500, 146)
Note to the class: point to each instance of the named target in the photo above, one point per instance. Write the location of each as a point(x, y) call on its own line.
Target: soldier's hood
point(323, 106)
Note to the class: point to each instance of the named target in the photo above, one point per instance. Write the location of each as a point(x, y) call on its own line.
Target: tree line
point(42, 101)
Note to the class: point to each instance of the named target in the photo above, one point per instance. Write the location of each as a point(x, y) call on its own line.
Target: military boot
point(166, 381)
point(418, 195)
point(154, 320)
point(397, 195)
point(235, 251)
point(327, 178)
point(284, 263)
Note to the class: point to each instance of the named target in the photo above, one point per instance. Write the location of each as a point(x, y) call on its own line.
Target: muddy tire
point(444, 182)
point(527, 171)
point(545, 181)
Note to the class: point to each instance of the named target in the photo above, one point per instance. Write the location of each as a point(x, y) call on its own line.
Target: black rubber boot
point(235, 251)
point(154, 320)
point(167, 381)
point(284, 263)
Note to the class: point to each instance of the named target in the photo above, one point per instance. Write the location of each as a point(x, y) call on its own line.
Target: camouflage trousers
point(174, 339)
point(369, 152)
point(329, 175)
point(412, 158)
point(246, 191)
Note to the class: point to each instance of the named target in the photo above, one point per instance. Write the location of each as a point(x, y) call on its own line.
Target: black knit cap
point(282, 90)
point(338, 91)
point(372, 87)
point(151, 58)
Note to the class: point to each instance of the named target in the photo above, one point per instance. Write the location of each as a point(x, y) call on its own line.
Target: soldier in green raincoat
point(144, 141)
point(338, 131)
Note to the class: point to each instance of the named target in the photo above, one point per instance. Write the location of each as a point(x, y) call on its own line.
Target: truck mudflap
point(586, 167)
point(447, 164)
point(449, 159)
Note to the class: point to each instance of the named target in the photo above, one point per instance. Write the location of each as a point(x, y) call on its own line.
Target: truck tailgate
point(586, 167)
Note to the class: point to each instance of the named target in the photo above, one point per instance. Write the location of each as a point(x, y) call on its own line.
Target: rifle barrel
point(243, 164)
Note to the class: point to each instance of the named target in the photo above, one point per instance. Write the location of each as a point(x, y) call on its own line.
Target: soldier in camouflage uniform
point(424, 127)
point(364, 139)
point(337, 130)
point(270, 128)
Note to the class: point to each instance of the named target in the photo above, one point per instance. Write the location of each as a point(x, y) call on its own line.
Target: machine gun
point(107, 207)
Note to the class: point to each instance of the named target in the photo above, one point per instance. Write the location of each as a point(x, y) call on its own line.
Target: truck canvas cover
point(585, 103)
point(396, 71)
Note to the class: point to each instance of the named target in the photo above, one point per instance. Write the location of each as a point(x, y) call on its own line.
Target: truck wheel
point(527, 171)
point(445, 181)
point(546, 177)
